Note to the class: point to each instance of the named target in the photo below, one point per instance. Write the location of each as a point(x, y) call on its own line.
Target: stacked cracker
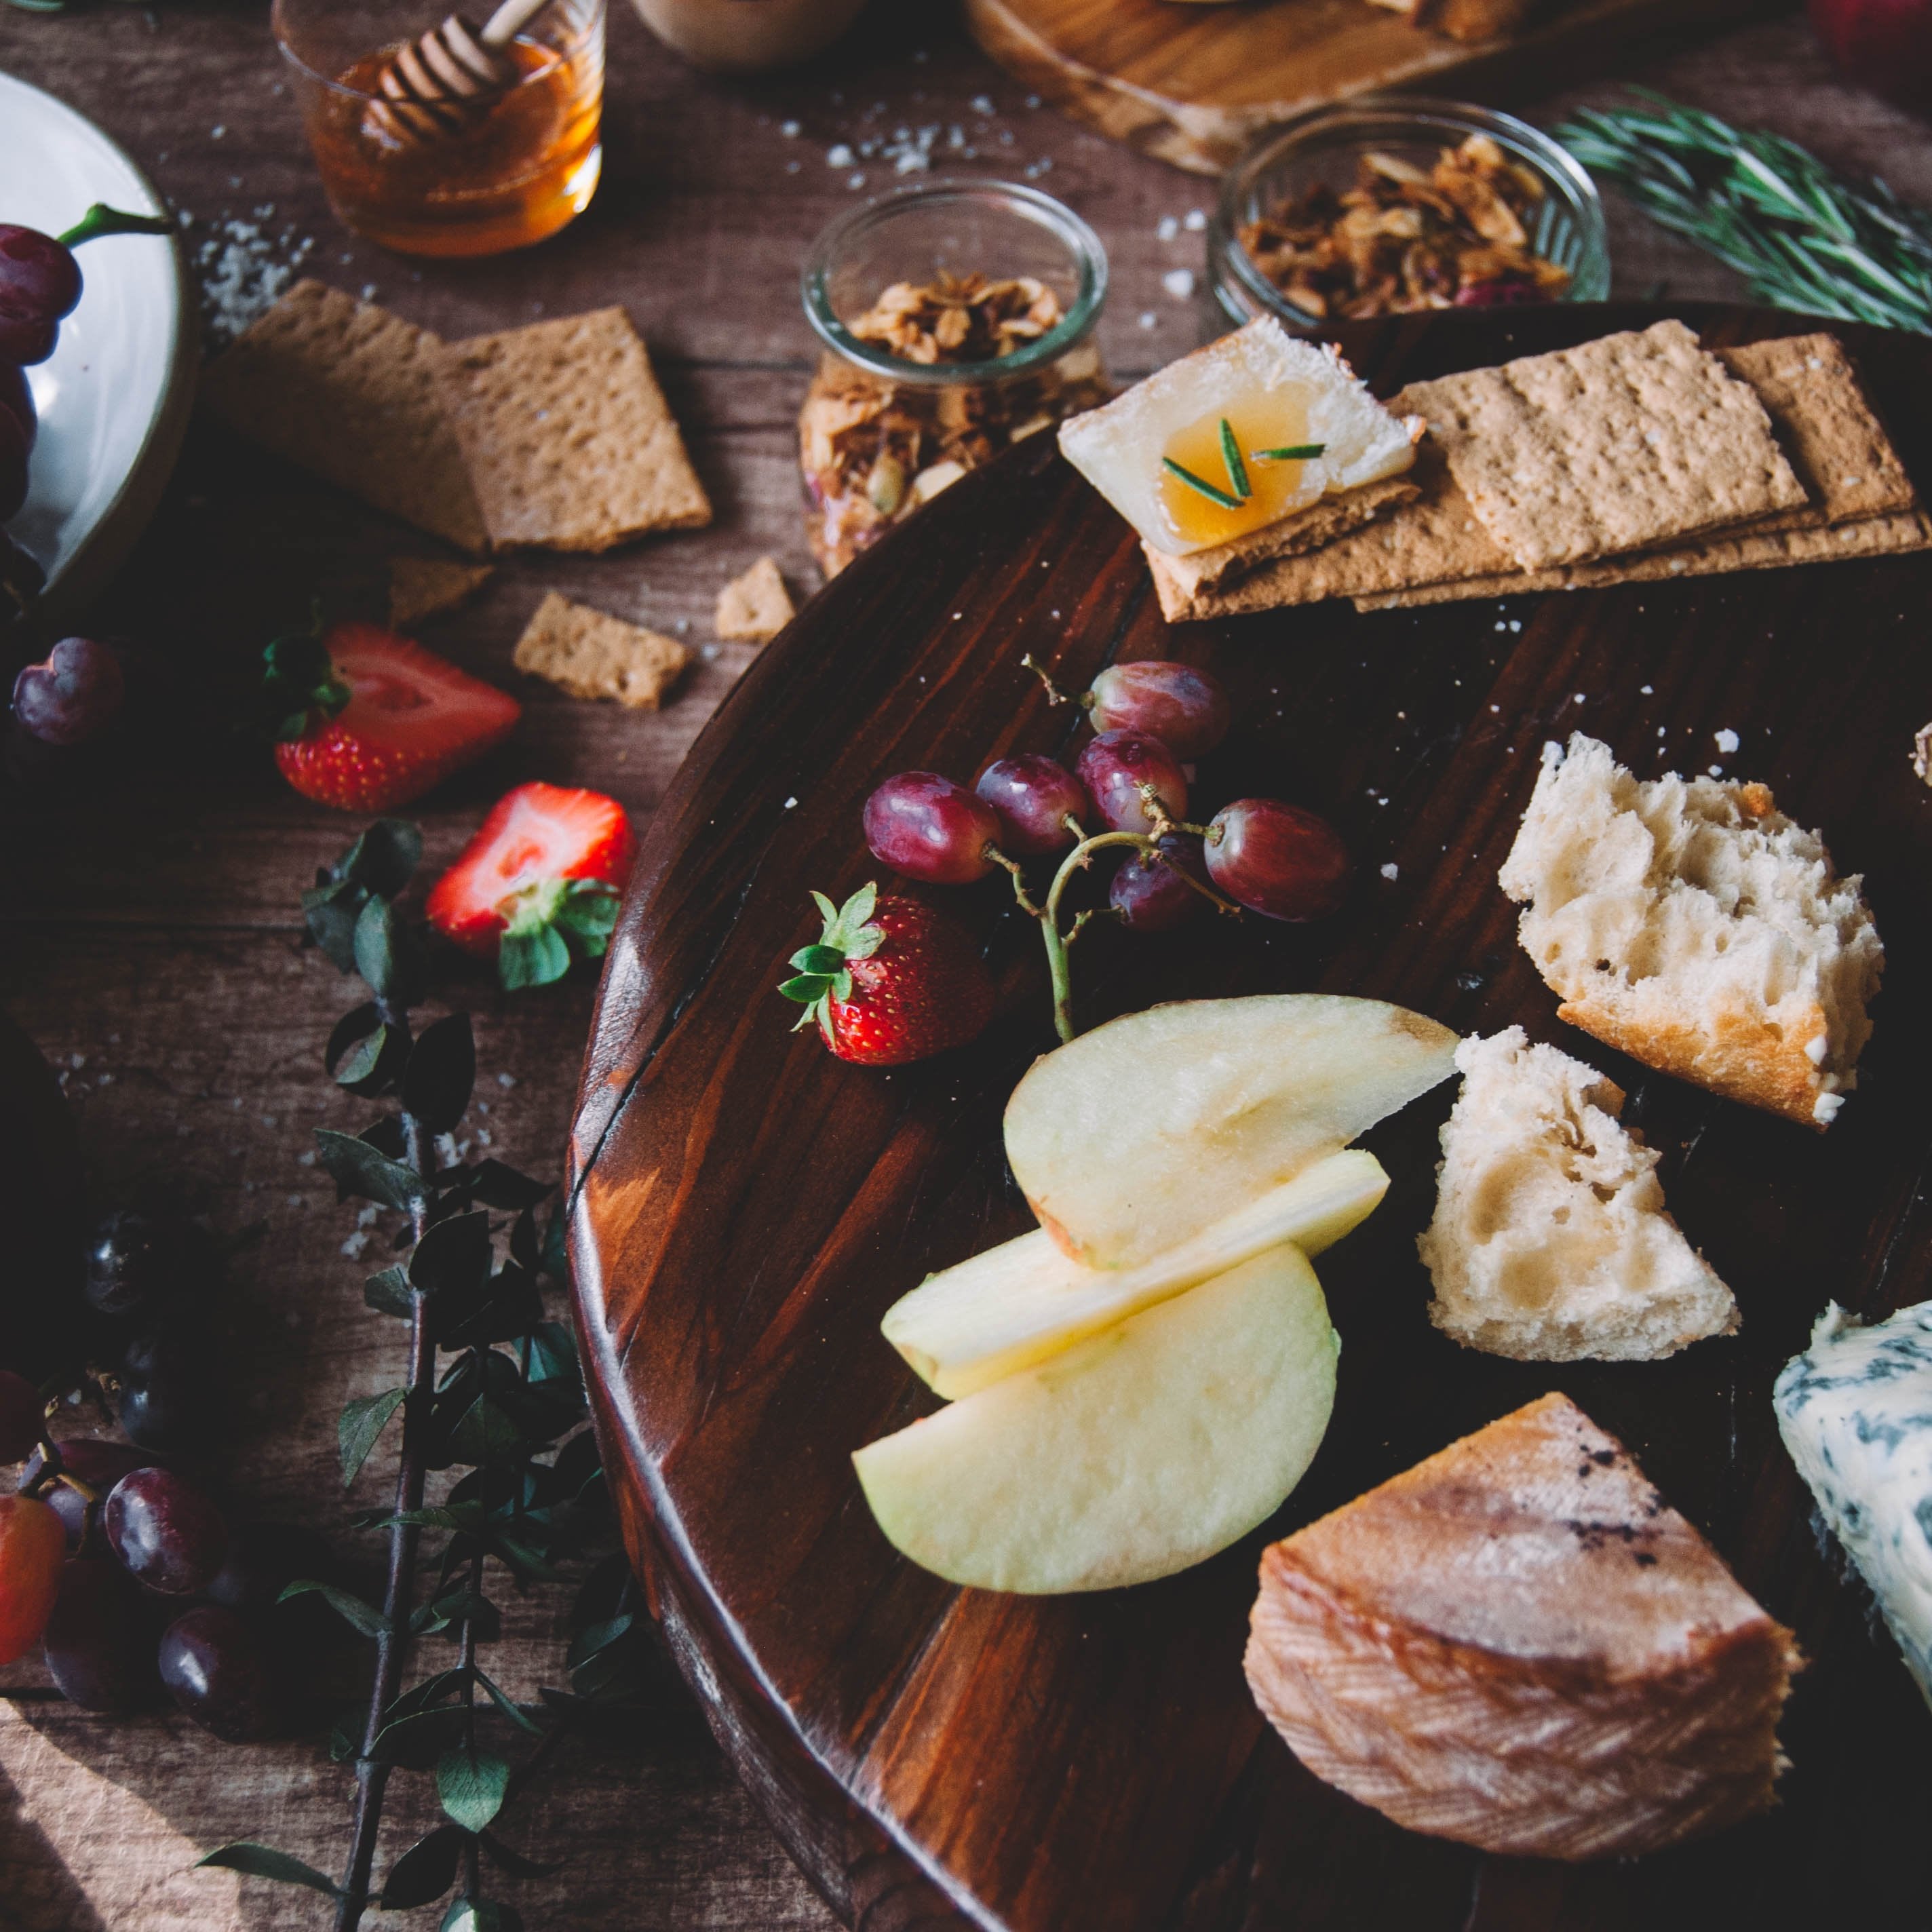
point(1637, 457)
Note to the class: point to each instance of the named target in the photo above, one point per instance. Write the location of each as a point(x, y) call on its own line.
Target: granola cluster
point(873, 450)
point(959, 318)
point(1402, 238)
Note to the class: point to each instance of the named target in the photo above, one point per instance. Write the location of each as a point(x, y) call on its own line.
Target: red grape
point(1277, 859)
point(71, 696)
point(99, 1644)
point(168, 1532)
point(1187, 710)
point(98, 1463)
point(1034, 795)
point(21, 1410)
point(1117, 764)
point(1149, 895)
point(929, 828)
point(16, 401)
point(24, 343)
point(32, 1547)
point(13, 478)
point(39, 278)
point(219, 1670)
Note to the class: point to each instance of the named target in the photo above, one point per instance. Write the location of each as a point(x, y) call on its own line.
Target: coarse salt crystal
point(1391, 871)
point(1179, 282)
point(839, 156)
point(1726, 740)
point(1195, 222)
point(1166, 228)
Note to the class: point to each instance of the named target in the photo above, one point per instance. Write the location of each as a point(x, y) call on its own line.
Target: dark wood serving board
point(746, 1208)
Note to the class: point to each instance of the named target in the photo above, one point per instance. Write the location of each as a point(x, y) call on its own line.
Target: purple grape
point(165, 1400)
point(14, 478)
point(1150, 895)
point(1115, 765)
point(137, 1262)
point(218, 1669)
point(71, 696)
point(39, 278)
point(1034, 795)
point(99, 1647)
point(166, 1531)
point(21, 1411)
point(16, 401)
point(929, 828)
point(1187, 710)
point(1277, 859)
point(90, 1459)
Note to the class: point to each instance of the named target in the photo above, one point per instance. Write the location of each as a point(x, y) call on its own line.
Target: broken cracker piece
point(422, 587)
point(590, 654)
point(753, 608)
point(348, 392)
point(570, 443)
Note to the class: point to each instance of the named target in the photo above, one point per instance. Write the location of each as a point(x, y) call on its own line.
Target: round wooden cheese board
point(745, 1207)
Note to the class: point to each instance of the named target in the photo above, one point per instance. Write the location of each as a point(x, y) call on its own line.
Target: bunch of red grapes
point(40, 282)
point(117, 1561)
point(1129, 789)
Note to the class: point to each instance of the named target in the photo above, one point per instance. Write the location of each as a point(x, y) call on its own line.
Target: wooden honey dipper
point(441, 82)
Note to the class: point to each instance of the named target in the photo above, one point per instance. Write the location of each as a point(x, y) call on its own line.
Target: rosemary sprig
point(1210, 491)
point(1803, 236)
point(1293, 452)
point(1230, 454)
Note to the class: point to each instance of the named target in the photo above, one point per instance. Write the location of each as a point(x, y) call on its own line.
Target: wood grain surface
point(1193, 85)
point(149, 930)
point(746, 1208)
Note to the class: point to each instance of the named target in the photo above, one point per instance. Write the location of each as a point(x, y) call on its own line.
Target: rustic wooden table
point(151, 926)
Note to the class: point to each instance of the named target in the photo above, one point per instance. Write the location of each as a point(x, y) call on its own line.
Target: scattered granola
point(1402, 238)
point(873, 450)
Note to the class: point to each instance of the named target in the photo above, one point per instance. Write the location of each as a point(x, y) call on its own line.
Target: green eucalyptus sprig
point(1803, 236)
point(492, 1390)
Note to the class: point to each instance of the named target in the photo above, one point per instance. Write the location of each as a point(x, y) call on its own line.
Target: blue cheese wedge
point(1855, 1412)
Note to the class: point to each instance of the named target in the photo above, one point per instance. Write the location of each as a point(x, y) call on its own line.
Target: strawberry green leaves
point(822, 972)
point(299, 680)
point(550, 925)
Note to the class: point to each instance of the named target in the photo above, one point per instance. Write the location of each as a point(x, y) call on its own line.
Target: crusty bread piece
point(1518, 1644)
point(1550, 1242)
point(1689, 923)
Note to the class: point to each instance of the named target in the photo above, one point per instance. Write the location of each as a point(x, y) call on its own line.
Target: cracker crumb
point(755, 607)
point(590, 654)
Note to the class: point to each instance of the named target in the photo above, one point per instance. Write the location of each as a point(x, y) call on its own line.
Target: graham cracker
point(348, 392)
point(1708, 556)
point(1617, 445)
point(591, 655)
point(755, 608)
point(426, 586)
point(1321, 522)
point(570, 443)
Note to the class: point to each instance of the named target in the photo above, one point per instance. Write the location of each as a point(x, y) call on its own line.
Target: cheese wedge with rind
point(1134, 1454)
point(1024, 1300)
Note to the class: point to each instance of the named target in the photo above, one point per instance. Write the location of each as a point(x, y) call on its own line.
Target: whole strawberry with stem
point(890, 980)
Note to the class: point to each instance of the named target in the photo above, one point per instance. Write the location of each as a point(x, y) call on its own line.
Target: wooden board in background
point(1192, 85)
point(746, 1208)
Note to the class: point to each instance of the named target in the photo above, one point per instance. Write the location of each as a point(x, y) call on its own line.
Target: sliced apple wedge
point(1135, 1137)
point(1018, 1303)
point(1133, 1454)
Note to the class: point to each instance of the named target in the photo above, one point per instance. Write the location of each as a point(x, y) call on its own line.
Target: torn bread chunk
point(1690, 924)
point(1550, 1242)
point(1519, 1645)
point(1855, 1412)
point(1236, 437)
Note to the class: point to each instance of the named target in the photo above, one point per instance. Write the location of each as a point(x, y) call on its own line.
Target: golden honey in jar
point(527, 164)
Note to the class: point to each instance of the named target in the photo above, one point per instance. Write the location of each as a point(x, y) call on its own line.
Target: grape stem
point(101, 220)
point(1054, 695)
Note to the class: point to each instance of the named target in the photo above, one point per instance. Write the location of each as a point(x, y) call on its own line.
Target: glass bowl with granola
point(1387, 207)
point(957, 319)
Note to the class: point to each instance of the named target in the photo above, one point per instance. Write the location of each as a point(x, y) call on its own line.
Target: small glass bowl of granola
point(1391, 206)
point(957, 318)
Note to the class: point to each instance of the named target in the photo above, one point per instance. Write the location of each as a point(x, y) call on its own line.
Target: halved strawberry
point(370, 720)
point(539, 882)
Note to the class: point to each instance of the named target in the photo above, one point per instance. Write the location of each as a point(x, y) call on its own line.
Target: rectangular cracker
point(421, 587)
point(755, 606)
point(570, 443)
point(590, 654)
point(1619, 444)
point(1321, 522)
point(348, 392)
point(1708, 556)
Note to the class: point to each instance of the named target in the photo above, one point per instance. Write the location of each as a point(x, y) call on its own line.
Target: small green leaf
point(331, 912)
point(806, 987)
point(453, 1256)
point(471, 1784)
point(597, 1637)
point(440, 1073)
point(361, 1424)
point(497, 1185)
point(384, 859)
point(553, 1353)
point(425, 1871)
point(824, 960)
point(358, 1024)
point(481, 1914)
point(417, 1742)
point(389, 1293)
point(256, 1861)
point(515, 1712)
point(361, 1617)
point(360, 1065)
point(360, 1170)
point(588, 916)
point(389, 954)
point(534, 958)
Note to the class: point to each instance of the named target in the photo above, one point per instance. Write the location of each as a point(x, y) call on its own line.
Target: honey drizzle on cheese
point(1266, 419)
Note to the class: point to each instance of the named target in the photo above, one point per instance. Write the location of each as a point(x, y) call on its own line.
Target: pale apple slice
point(1134, 1453)
point(1018, 1303)
point(1136, 1136)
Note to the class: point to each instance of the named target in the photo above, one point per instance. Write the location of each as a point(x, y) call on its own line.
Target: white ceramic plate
point(114, 396)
